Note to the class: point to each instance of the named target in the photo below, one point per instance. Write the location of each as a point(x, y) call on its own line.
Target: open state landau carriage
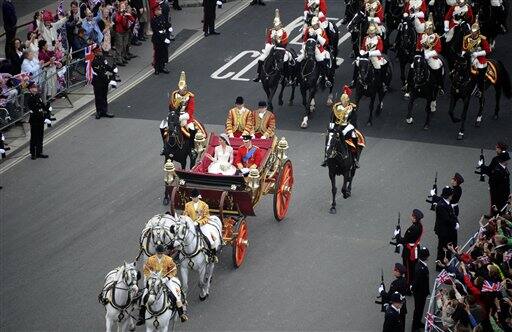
point(233, 198)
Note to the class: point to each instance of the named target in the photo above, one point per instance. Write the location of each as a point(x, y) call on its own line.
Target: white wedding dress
point(223, 163)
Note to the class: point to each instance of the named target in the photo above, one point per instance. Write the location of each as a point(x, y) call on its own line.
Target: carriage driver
point(240, 119)
point(430, 43)
point(276, 37)
point(478, 47)
point(199, 212)
point(322, 56)
point(455, 15)
point(164, 265)
point(340, 123)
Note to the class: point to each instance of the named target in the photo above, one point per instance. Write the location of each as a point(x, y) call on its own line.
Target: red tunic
point(437, 44)
point(321, 47)
point(423, 9)
point(284, 39)
point(322, 7)
point(451, 21)
point(254, 160)
point(379, 13)
point(484, 45)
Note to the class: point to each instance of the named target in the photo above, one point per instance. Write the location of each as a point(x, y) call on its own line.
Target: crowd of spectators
point(475, 288)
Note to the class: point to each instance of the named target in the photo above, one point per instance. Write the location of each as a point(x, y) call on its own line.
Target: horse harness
point(103, 298)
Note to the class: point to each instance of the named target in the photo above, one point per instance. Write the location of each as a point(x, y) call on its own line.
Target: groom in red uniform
point(248, 156)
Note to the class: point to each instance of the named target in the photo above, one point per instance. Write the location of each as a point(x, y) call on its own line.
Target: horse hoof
point(460, 136)
point(202, 299)
point(345, 195)
point(456, 120)
point(409, 120)
point(369, 124)
point(426, 127)
point(407, 96)
point(280, 103)
point(165, 201)
point(478, 124)
point(332, 210)
point(349, 193)
point(495, 117)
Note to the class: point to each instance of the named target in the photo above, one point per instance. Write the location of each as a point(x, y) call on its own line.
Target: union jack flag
point(484, 259)
point(443, 277)
point(507, 255)
point(60, 8)
point(430, 319)
point(491, 287)
point(89, 57)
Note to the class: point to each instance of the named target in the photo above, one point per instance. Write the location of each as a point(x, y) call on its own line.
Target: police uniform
point(209, 7)
point(161, 41)
point(101, 80)
point(39, 115)
point(445, 224)
point(392, 320)
point(420, 288)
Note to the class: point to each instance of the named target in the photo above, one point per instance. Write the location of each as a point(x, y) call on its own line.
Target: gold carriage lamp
point(170, 172)
point(254, 179)
point(199, 142)
point(282, 146)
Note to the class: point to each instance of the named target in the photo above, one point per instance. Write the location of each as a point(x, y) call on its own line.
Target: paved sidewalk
point(187, 27)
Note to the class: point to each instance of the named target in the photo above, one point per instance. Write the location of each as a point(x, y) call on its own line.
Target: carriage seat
point(264, 144)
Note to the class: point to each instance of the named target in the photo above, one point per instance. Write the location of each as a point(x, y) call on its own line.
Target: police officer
point(420, 288)
point(499, 182)
point(446, 225)
point(209, 7)
point(393, 320)
point(101, 79)
point(39, 116)
point(161, 29)
point(399, 285)
point(410, 242)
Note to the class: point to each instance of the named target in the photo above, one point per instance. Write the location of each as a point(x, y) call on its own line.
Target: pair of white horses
point(120, 292)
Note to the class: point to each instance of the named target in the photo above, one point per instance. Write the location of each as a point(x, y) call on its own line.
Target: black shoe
point(97, 116)
point(136, 43)
point(33, 157)
point(53, 119)
point(108, 115)
point(157, 72)
point(214, 33)
point(183, 318)
point(165, 71)
point(261, 3)
point(206, 34)
point(121, 64)
point(44, 156)
point(177, 7)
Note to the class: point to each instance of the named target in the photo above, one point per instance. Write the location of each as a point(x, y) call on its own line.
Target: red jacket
point(379, 13)
point(284, 39)
point(254, 160)
point(123, 22)
point(322, 7)
point(449, 16)
point(321, 47)
point(484, 45)
point(423, 9)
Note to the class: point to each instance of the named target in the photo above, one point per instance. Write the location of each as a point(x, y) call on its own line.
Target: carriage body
point(233, 198)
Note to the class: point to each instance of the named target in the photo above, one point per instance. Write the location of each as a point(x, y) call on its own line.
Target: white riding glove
point(432, 192)
point(263, 137)
point(50, 109)
point(115, 70)
point(170, 30)
point(167, 41)
point(381, 289)
point(48, 121)
point(457, 226)
point(331, 125)
point(396, 232)
point(480, 163)
point(2, 151)
point(245, 170)
point(161, 31)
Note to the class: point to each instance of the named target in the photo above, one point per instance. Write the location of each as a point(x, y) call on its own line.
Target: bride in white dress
point(222, 162)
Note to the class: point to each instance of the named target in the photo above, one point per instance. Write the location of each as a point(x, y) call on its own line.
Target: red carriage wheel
point(240, 243)
point(283, 193)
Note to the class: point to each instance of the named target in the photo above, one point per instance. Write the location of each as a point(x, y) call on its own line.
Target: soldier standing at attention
point(39, 116)
point(420, 288)
point(100, 82)
point(399, 285)
point(393, 320)
point(410, 242)
point(160, 41)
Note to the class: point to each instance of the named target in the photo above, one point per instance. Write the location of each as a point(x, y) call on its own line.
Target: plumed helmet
point(429, 24)
point(475, 27)
point(315, 20)
point(345, 96)
point(372, 29)
point(182, 84)
point(277, 20)
point(461, 2)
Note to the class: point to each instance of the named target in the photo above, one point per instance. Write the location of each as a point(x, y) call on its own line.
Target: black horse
point(405, 47)
point(340, 161)
point(490, 20)
point(422, 85)
point(369, 84)
point(452, 49)
point(393, 14)
point(272, 73)
point(307, 76)
point(463, 84)
point(438, 11)
point(357, 28)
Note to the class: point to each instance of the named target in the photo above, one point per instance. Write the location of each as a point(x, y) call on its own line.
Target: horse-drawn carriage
point(233, 198)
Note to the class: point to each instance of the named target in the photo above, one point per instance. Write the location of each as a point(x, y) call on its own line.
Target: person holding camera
point(122, 24)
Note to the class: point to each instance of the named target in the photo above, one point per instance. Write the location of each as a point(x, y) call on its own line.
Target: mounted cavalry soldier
point(372, 47)
point(316, 8)
point(416, 10)
point(322, 56)
point(455, 15)
point(478, 47)
point(276, 37)
point(429, 43)
point(375, 15)
point(199, 212)
point(240, 120)
point(165, 266)
point(340, 123)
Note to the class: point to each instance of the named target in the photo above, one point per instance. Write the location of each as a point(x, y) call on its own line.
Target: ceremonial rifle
point(382, 303)
point(397, 235)
point(431, 198)
point(481, 162)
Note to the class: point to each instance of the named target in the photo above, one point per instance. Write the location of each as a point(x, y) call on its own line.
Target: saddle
point(491, 73)
point(361, 142)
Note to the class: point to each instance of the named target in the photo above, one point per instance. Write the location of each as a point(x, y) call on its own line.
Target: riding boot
point(258, 75)
point(480, 83)
point(325, 66)
point(324, 163)
point(439, 78)
point(355, 141)
point(382, 75)
point(162, 133)
point(354, 77)
point(142, 315)
point(182, 314)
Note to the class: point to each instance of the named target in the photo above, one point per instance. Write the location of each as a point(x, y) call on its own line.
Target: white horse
point(119, 295)
point(160, 309)
point(157, 231)
point(193, 251)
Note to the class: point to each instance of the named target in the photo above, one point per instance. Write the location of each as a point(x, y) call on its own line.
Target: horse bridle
point(113, 286)
point(175, 132)
point(424, 80)
point(360, 78)
point(275, 64)
point(184, 244)
point(165, 305)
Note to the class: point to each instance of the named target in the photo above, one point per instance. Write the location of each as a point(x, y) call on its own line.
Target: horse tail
point(504, 79)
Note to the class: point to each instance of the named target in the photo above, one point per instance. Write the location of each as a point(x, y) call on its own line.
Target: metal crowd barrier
point(53, 84)
point(432, 305)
